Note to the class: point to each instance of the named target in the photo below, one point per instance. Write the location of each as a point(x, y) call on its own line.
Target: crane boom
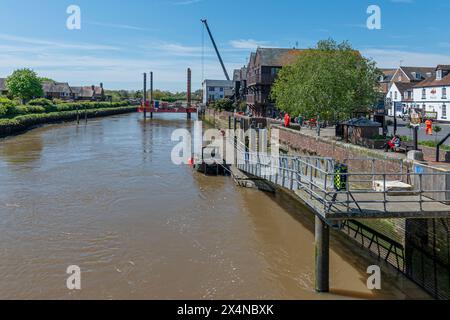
point(205, 22)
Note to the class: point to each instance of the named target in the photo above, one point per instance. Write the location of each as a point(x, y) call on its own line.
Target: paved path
point(404, 131)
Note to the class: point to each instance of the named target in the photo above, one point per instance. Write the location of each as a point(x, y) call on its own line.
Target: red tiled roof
point(432, 82)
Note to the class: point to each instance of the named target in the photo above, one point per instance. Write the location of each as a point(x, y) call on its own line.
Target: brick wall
point(295, 141)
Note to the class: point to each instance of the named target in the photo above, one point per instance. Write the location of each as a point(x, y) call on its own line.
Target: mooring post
point(322, 256)
point(85, 114)
point(145, 95)
point(188, 92)
point(78, 116)
point(151, 94)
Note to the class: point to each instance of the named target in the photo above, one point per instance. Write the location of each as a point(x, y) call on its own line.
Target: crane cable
point(203, 53)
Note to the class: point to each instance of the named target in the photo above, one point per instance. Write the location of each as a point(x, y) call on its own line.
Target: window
point(424, 94)
point(391, 95)
point(444, 93)
point(396, 95)
point(221, 89)
point(439, 75)
point(212, 89)
point(444, 111)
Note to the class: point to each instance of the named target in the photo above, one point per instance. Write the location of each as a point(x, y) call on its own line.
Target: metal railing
point(363, 191)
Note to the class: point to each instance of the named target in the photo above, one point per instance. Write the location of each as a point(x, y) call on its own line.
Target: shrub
point(5, 104)
point(3, 110)
point(40, 102)
point(223, 105)
point(35, 109)
point(57, 101)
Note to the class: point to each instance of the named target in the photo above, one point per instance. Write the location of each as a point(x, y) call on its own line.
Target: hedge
point(9, 109)
point(21, 123)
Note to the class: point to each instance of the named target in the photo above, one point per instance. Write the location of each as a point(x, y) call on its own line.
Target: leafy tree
point(332, 81)
point(24, 84)
point(223, 105)
point(437, 130)
point(44, 79)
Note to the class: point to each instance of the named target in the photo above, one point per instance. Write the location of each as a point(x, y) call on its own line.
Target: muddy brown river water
point(106, 197)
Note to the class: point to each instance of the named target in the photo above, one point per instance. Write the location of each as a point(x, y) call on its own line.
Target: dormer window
point(424, 94)
point(439, 75)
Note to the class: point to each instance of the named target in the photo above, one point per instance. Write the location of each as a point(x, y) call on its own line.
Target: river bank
point(27, 122)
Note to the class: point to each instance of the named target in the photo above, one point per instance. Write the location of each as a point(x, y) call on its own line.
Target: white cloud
point(249, 44)
point(118, 26)
point(187, 2)
point(391, 58)
point(169, 63)
point(402, 1)
point(63, 45)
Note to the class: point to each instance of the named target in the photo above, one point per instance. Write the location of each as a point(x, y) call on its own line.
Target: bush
point(10, 109)
point(23, 110)
point(35, 109)
point(3, 110)
point(34, 119)
point(223, 105)
point(40, 102)
point(5, 104)
point(58, 101)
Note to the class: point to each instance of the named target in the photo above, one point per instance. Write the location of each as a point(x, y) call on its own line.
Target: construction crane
point(205, 22)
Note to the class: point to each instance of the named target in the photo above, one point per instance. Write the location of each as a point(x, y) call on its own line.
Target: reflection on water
point(20, 150)
point(106, 197)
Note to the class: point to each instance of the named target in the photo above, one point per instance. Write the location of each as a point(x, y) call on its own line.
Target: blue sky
point(119, 40)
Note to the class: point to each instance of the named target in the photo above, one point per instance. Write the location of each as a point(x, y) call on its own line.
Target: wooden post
point(78, 115)
point(151, 93)
point(145, 96)
point(85, 114)
point(322, 256)
point(188, 92)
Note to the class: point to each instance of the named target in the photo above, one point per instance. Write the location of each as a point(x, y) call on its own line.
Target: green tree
point(44, 79)
point(24, 84)
point(332, 81)
point(437, 130)
point(223, 105)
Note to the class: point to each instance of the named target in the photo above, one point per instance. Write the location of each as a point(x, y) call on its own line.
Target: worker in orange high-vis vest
point(429, 127)
point(287, 120)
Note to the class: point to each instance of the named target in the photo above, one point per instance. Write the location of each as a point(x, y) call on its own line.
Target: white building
point(433, 94)
point(400, 95)
point(216, 90)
